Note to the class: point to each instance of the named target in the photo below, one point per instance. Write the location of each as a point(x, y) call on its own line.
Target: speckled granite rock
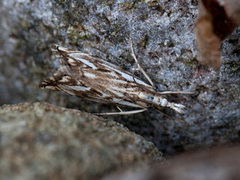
point(40, 141)
point(162, 32)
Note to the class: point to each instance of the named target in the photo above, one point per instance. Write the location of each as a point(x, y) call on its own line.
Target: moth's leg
point(139, 67)
point(119, 109)
point(175, 92)
point(121, 113)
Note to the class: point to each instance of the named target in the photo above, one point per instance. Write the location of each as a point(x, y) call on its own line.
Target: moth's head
point(160, 101)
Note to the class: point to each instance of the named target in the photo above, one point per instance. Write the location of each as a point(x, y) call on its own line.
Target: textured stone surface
point(40, 141)
point(221, 163)
point(162, 32)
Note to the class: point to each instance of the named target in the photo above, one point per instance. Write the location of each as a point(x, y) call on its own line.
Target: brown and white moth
point(88, 77)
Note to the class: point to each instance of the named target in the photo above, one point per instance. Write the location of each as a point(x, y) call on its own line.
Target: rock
point(41, 141)
point(164, 42)
point(219, 163)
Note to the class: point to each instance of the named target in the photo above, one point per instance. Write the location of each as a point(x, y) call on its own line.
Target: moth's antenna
point(121, 112)
point(138, 65)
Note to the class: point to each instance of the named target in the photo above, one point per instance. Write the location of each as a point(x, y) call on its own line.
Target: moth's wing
point(103, 76)
point(85, 76)
point(102, 71)
point(64, 77)
point(75, 87)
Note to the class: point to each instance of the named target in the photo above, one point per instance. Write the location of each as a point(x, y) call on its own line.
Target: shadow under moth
point(88, 77)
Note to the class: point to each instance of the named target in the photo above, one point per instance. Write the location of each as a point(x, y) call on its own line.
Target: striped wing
point(92, 78)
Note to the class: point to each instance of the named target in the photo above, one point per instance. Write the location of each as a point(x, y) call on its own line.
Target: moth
point(88, 77)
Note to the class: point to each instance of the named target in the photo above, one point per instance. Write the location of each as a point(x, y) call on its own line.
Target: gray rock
point(162, 32)
point(41, 141)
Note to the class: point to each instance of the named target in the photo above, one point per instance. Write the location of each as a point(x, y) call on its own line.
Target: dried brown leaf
point(212, 27)
point(232, 8)
point(208, 43)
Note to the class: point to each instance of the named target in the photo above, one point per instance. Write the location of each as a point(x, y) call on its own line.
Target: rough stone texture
point(41, 141)
point(221, 163)
point(162, 32)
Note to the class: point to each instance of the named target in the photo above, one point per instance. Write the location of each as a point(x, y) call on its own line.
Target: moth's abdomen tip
point(51, 88)
point(60, 49)
point(54, 47)
point(43, 84)
point(46, 86)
